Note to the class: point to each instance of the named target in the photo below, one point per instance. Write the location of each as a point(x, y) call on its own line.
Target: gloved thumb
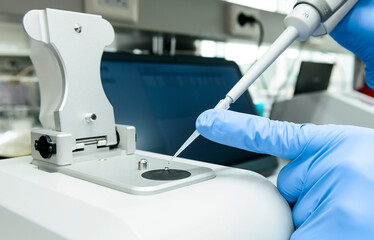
point(253, 133)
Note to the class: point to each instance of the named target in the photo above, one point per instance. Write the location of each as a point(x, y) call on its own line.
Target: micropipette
point(310, 17)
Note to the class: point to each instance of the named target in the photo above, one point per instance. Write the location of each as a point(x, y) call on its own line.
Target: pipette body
point(310, 17)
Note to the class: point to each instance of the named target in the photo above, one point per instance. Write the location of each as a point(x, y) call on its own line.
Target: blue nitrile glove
point(356, 33)
point(329, 183)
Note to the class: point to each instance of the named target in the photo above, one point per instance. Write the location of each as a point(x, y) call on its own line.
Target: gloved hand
point(330, 181)
point(356, 33)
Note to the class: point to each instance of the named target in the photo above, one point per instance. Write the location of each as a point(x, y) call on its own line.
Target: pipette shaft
point(277, 48)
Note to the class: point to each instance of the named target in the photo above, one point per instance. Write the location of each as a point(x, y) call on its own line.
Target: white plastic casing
point(66, 51)
point(127, 139)
point(64, 144)
point(237, 204)
point(327, 26)
point(305, 19)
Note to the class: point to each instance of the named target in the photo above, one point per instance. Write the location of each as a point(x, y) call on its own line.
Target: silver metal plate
point(121, 173)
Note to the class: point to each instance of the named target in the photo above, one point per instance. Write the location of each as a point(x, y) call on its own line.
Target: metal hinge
point(98, 141)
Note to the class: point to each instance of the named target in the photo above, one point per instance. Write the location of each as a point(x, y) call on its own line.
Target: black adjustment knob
point(45, 146)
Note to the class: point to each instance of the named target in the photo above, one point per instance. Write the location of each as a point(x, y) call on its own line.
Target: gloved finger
point(291, 179)
point(253, 133)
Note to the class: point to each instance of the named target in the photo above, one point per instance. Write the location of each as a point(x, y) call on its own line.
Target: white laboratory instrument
point(309, 17)
point(346, 108)
point(87, 183)
point(77, 118)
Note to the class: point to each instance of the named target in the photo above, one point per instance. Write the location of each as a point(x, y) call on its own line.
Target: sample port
point(166, 174)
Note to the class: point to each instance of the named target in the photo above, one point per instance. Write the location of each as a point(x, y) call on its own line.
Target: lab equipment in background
point(153, 93)
point(16, 123)
point(307, 18)
point(19, 105)
point(346, 108)
point(359, 83)
point(313, 77)
point(82, 142)
point(121, 10)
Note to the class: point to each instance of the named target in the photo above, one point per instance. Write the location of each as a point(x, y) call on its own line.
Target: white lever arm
point(66, 51)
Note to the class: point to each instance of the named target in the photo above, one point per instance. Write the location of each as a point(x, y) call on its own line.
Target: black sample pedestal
point(166, 174)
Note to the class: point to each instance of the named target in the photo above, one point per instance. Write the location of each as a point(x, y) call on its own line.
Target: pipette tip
point(194, 135)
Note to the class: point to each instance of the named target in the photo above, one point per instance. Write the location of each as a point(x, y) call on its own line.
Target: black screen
point(163, 96)
point(313, 77)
